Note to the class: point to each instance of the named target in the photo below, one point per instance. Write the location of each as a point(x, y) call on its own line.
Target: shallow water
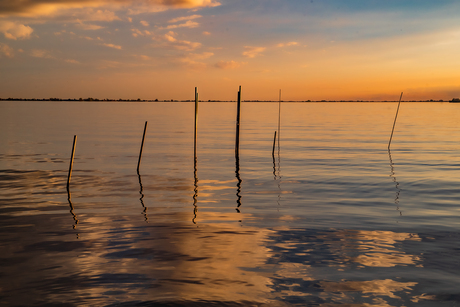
point(333, 219)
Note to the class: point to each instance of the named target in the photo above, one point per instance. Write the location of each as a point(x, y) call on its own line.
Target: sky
point(163, 49)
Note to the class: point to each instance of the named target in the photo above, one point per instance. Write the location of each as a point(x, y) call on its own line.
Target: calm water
point(334, 220)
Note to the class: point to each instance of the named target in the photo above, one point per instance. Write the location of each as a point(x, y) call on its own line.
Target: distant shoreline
point(211, 100)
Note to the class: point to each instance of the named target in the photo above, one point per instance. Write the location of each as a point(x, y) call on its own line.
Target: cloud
point(145, 57)
point(228, 64)
point(112, 46)
point(14, 30)
point(200, 56)
point(88, 27)
point(192, 60)
point(174, 20)
point(52, 7)
point(91, 14)
point(189, 3)
point(137, 32)
point(206, 33)
point(172, 42)
point(187, 24)
point(6, 50)
point(252, 52)
point(72, 61)
point(40, 53)
point(144, 23)
point(288, 44)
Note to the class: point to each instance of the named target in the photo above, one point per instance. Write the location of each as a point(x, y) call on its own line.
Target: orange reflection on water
point(386, 287)
point(376, 248)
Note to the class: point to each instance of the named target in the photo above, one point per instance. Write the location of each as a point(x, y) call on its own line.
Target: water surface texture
point(332, 219)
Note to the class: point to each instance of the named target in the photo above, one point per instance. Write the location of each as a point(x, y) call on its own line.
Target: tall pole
point(238, 110)
point(142, 147)
point(273, 149)
point(394, 123)
point(71, 162)
point(196, 121)
point(279, 119)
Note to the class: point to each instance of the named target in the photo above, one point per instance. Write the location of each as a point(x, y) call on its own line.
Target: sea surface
point(331, 217)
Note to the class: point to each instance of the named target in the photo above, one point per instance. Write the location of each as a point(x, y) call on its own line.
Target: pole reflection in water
point(195, 161)
point(195, 189)
point(72, 156)
point(141, 188)
point(279, 151)
point(392, 175)
point(75, 218)
point(237, 152)
point(141, 191)
point(238, 183)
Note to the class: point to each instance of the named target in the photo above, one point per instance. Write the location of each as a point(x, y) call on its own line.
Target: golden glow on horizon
point(164, 48)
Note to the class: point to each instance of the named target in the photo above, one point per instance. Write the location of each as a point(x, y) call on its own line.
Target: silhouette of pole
point(142, 147)
point(394, 123)
point(195, 190)
point(279, 118)
point(196, 120)
point(274, 143)
point(71, 162)
point(237, 143)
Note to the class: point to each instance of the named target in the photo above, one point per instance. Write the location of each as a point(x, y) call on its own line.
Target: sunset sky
point(162, 49)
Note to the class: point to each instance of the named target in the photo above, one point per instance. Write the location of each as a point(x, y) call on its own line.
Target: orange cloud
point(39, 53)
point(88, 27)
point(6, 51)
point(184, 18)
point(50, 7)
point(252, 52)
point(112, 46)
point(228, 64)
point(193, 60)
point(287, 44)
point(173, 42)
point(188, 24)
point(13, 30)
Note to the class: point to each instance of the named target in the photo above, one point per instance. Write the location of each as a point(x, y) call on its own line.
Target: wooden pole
point(279, 119)
point(238, 110)
point(71, 162)
point(142, 147)
point(274, 143)
point(196, 120)
point(394, 123)
point(279, 111)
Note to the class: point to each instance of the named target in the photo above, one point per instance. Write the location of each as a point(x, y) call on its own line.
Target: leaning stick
point(394, 123)
point(238, 111)
point(142, 147)
point(71, 161)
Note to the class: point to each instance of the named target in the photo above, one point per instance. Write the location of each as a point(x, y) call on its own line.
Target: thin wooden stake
point(238, 110)
point(279, 119)
point(274, 143)
point(71, 162)
point(196, 120)
point(394, 123)
point(142, 147)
